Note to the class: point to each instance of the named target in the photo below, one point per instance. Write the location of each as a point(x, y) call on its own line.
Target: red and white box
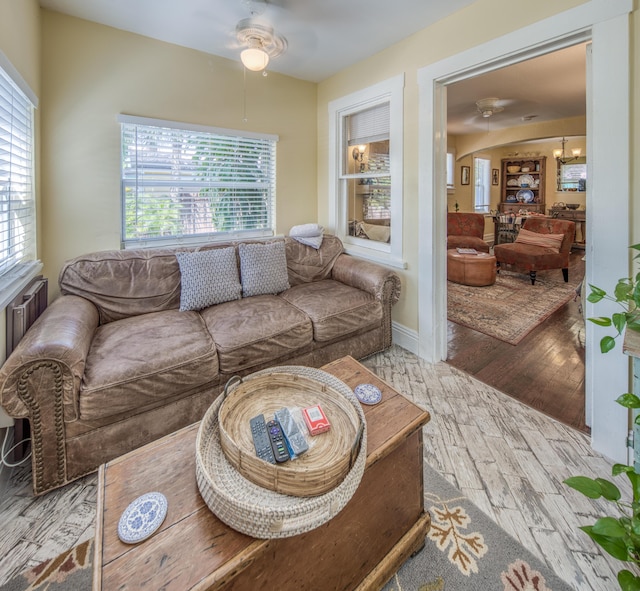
point(316, 420)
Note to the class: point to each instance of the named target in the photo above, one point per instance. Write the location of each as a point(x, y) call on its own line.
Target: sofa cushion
point(335, 309)
point(263, 268)
point(137, 362)
point(256, 330)
point(306, 264)
point(208, 277)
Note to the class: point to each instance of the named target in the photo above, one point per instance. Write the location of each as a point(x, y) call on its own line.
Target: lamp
point(559, 153)
point(358, 155)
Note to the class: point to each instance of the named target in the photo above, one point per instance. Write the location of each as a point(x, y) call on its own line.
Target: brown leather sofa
point(113, 363)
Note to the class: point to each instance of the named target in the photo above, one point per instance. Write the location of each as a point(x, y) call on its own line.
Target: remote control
point(278, 445)
point(261, 439)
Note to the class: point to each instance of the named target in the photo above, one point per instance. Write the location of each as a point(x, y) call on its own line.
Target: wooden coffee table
point(360, 548)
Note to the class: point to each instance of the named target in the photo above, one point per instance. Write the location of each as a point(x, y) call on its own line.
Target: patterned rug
point(511, 308)
point(71, 571)
point(464, 551)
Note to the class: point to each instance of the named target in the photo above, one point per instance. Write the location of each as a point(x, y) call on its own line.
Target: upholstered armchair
point(542, 243)
point(466, 230)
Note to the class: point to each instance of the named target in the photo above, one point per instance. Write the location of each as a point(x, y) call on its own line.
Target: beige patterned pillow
point(551, 241)
point(208, 277)
point(263, 268)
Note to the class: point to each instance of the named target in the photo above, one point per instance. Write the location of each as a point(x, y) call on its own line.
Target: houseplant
point(619, 536)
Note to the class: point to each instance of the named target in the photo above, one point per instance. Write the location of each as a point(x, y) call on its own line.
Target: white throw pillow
point(263, 268)
point(209, 277)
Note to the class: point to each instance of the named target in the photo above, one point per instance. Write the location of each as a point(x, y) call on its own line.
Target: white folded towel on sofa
point(309, 234)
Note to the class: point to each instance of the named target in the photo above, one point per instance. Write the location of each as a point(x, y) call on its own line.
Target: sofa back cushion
point(125, 283)
point(306, 264)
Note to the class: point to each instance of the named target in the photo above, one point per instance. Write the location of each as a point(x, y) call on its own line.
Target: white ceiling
point(546, 88)
point(325, 36)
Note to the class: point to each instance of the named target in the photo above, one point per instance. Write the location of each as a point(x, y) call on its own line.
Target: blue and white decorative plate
point(368, 393)
point(142, 518)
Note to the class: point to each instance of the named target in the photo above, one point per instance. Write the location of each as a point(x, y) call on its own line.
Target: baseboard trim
point(405, 337)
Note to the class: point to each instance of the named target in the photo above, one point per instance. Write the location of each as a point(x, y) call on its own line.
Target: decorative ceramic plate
point(142, 518)
point(513, 183)
point(368, 393)
point(526, 179)
point(524, 196)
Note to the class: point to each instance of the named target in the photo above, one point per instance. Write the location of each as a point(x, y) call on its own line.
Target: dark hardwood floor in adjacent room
point(545, 370)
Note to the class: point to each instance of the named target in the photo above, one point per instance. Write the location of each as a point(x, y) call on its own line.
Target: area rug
point(511, 308)
point(71, 571)
point(464, 550)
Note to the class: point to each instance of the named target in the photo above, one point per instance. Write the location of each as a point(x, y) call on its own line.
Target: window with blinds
point(191, 183)
point(17, 196)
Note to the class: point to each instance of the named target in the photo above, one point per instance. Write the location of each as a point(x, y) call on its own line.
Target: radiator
point(24, 309)
point(21, 313)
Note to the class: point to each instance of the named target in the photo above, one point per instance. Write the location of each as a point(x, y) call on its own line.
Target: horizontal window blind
point(179, 183)
point(17, 199)
point(369, 125)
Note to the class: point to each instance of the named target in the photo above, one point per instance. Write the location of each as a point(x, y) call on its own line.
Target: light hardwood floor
point(506, 457)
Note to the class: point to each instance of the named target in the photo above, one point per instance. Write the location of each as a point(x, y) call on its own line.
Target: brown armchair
point(543, 243)
point(466, 230)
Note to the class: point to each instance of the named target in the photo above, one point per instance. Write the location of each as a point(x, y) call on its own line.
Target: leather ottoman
point(477, 270)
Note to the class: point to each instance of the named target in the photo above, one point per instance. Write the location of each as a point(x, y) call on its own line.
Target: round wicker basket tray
point(330, 455)
point(258, 511)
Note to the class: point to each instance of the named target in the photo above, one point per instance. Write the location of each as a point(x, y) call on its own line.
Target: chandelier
point(560, 155)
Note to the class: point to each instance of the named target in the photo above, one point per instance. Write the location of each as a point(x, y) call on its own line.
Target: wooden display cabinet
point(515, 197)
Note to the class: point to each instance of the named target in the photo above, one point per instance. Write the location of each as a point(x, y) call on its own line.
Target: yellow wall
point(20, 42)
point(92, 73)
point(463, 30)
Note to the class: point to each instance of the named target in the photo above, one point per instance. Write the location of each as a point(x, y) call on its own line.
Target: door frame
point(606, 24)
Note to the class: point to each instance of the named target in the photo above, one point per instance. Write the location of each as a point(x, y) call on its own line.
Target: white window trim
point(391, 90)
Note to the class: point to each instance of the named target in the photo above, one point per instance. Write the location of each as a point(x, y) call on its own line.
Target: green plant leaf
point(585, 485)
point(635, 484)
point(600, 320)
point(622, 291)
point(609, 527)
point(618, 469)
point(628, 400)
point(596, 291)
point(609, 490)
point(614, 546)
point(628, 581)
point(606, 344)
point(634, 324)
point(619, 320)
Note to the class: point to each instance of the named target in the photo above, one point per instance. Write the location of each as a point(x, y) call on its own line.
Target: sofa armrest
point(49, 360)
point(380, 282)
point(41, 380)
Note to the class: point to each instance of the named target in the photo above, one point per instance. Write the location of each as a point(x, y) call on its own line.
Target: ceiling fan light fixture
point(489, 106)
point(255, 58)
point(261, 44)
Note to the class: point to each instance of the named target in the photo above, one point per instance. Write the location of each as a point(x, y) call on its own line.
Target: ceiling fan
point(260, 41)
point(489, 106)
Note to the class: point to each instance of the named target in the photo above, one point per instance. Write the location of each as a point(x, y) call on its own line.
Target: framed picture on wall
point(465, 175)
point(495, 176)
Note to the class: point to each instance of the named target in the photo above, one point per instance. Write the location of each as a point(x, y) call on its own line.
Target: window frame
point(178, 239)
point(21, 271)
point(391, 91)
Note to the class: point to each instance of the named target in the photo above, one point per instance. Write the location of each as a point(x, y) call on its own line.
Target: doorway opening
point(607, 156)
